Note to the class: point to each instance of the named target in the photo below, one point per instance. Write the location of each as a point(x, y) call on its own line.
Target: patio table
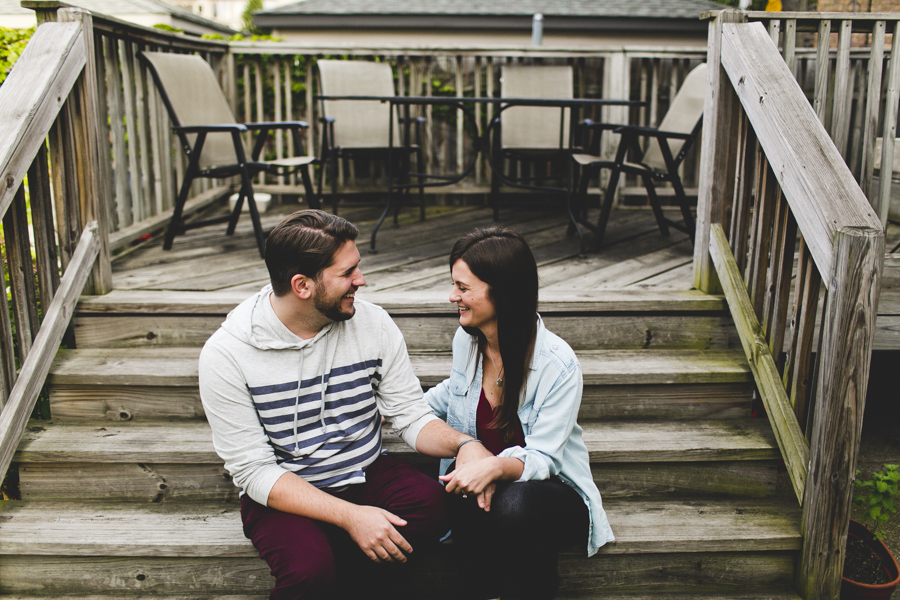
point(481, 142)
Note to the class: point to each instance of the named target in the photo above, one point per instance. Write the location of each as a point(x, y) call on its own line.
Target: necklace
point(499, 372)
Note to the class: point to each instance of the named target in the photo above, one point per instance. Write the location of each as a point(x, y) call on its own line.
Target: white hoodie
point(265, 424)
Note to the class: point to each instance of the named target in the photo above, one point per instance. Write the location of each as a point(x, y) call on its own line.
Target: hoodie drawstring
point(297, 400)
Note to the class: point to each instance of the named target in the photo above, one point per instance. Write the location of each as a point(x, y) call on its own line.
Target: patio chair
point(361, 128)
point(212, 140)
point(669, 144)
point(526, 135)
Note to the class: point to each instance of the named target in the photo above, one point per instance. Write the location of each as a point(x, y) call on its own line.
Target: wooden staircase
point(123, 494)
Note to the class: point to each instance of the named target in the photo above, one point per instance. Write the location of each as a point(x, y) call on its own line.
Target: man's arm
point(373, 529)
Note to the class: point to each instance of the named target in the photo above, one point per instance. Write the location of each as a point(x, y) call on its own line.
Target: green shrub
point(12, 44)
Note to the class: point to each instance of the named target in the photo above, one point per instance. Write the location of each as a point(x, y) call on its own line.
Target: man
point(294, 385)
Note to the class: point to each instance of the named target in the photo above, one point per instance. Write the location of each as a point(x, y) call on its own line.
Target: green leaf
point(881, 486)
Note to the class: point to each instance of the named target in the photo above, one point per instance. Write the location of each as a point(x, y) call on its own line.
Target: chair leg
point(654, 204)
point(681, 197)
point(495, 195)
point(608, 198)
point(254, 215)
point(312, 200)
point(334, 170)
point(420, 168)
point(175, 223)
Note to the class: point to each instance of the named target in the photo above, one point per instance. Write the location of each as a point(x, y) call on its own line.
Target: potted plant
point(870, 570)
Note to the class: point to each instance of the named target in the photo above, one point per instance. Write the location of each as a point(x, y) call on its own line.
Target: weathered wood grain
point(803, 158)
point(178, 367)
point(173, 530)
point(718, 159)
point(34, 369)
point(33, 96)
point(768, 380)
point(846, 352)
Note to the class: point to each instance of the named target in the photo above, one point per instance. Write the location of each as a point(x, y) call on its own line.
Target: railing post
point(93, 190)
point(837, 421)
point(718, 152)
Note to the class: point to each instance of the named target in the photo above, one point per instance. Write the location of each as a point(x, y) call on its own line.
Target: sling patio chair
point(669, 144)
point(526, 137)
point(362, 128)
point(212, 140)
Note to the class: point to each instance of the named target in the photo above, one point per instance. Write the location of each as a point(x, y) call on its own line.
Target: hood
point(254, 322)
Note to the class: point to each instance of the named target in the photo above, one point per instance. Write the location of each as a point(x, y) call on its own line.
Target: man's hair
point(305, 243)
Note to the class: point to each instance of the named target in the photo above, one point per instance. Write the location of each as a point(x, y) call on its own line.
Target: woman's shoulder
point(550, 347)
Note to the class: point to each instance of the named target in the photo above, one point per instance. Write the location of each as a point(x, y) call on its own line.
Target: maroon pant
point(312, 560)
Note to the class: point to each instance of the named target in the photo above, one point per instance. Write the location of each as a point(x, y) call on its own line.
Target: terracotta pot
point(852, 589)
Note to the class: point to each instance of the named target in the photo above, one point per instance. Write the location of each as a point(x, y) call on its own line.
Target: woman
point(516, 388)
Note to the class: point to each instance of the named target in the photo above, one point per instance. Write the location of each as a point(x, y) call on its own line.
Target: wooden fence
point(773, 187)
point(49, 96)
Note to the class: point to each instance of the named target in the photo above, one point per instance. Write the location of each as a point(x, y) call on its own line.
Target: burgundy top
point(492, 438)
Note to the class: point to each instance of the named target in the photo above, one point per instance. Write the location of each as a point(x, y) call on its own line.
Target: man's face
point(336, 285)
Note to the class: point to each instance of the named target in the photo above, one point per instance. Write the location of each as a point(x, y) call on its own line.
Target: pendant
point(499, 382)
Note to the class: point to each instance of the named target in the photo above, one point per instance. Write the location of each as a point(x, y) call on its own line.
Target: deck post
point(846, 352)
point(718, 154)
point(92, 187)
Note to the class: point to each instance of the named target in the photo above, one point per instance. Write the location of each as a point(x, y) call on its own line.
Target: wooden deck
point(413, 256)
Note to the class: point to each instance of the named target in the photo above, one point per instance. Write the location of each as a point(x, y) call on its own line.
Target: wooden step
point(618, 320)
point(662, 547)
point(176, 462)
point(144, 383)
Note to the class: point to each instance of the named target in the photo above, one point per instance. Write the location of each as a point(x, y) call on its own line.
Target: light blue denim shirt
point(548, 409)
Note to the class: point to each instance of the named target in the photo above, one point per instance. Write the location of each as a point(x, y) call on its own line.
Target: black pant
point(513, 549)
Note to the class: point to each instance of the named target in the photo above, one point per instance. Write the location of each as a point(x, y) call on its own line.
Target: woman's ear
point(302, 286)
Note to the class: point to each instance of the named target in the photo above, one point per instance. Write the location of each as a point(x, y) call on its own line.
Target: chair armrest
point(209, 128)
point(653, 132)
point(590, 124)
point(277, 125)
point(326, 119)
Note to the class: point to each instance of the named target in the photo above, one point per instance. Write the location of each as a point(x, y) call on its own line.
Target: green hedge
point(12, 44)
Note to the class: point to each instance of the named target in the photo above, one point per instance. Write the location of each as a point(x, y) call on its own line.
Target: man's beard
point(331, 307)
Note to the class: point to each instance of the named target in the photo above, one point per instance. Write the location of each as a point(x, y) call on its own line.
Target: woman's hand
point(476, 477)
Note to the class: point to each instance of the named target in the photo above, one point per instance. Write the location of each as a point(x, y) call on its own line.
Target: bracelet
point(464, 442)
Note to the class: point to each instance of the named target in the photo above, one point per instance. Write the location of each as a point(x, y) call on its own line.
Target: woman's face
point(470, 294)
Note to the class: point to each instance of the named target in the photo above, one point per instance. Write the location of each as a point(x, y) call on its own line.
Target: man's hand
point(373, 530)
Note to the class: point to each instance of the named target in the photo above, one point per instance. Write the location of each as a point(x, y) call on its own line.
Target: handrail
point(772, 178)
point(816, 181)
point(49, 94)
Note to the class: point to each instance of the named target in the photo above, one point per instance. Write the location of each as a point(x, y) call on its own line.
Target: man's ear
point(302, 286)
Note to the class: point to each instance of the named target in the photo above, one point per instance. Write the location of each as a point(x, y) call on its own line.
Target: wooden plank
point(889, 126)
point(753, 479)
point(178, 367)
point(75, 403)
point(745, 576)
point(874, 68)
point(803, 158)
point(7, 350)
point(784, 264)
point(221, 303)
point(35, 368)
point(717, 161)
point(93, 187)
point(765, 373)
point(21, 274)
point(823, 68)
point(103, 129)
point(41, 200)
point(32, 97)
point(434, 332)
point(843, 90)
point(194, 530)
point(846, 351)
point(761, 241)
point(127, 59)
point(797, 379)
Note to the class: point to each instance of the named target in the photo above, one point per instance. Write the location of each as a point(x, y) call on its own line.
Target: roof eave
point(470, 22)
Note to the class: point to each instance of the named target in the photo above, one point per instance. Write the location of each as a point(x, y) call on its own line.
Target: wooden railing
point(141, 158)
point(852, 82)
point(774, 187)
point(49, 158)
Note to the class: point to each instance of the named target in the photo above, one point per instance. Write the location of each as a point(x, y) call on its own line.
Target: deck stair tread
point(190, 442)
point(214, 529)
point(144, 596)
point(221, 302)
point(178, 367)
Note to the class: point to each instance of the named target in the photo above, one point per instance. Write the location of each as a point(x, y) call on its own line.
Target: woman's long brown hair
point(501, 258)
